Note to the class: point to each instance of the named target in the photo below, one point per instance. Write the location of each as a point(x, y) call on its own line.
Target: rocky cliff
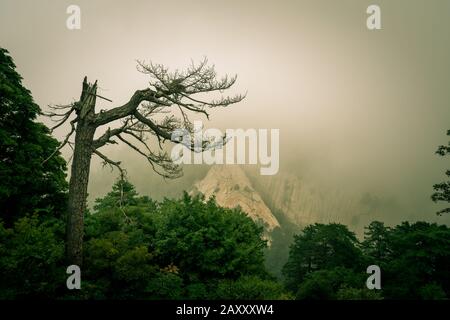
point(232, 188)
point(304, 203)
point(300, 201)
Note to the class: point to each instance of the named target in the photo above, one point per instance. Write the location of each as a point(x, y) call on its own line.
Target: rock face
point(232, 188)
point(300, 201)
point(305, 203)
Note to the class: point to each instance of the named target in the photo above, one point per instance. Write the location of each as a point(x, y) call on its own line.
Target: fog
point(358, 110)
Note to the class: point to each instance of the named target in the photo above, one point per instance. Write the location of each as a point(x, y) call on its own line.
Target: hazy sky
point(357, 109)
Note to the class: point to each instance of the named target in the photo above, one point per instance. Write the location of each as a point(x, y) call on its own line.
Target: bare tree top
point(156, 111)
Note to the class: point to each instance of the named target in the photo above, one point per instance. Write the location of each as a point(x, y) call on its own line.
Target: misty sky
point(357, 109)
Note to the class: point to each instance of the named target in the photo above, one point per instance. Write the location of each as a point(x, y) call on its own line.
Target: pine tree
point(27, 182)
point(443, 189)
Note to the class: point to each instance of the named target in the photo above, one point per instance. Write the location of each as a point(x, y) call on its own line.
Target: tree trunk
point(80, 175)
point(78, 193)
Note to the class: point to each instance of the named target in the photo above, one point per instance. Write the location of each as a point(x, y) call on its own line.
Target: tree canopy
point(171, 249)
point(442, 189)
point(321, 246)
point(414, 260)
point(27, 183)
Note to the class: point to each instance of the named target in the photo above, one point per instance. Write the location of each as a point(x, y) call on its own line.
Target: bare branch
point(177, 87)
point(106, 137)
point(101, 97)
point(128, 108)
point(111, 163)
point(168, 92)
point(60, 107)
point(62, 121)
point(155, 128)
point(72, 130)
point(170, 170)
point(139, 138)
point(167, 135)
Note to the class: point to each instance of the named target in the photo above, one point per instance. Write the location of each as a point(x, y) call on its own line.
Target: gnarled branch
point(65, 141)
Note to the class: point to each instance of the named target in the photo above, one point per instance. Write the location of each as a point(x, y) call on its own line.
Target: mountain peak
point(232, 188)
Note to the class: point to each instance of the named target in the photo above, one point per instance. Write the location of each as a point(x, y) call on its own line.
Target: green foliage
point(123, 194)
point(27, 183)
point(414, 261)
point(346, 293)
point(376, 244)
point(120, 268)
point(432, 291)
point(138, 248)
point(420, 256)
point(414, 258)
point(443, 189)
point(167, 285)
point(324, 284)
point(31, 258)
point(192, 249)
point(321, 246)
point(207, 241)
point(250, 288)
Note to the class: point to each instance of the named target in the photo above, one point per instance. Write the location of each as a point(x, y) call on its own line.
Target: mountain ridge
point(232, 188)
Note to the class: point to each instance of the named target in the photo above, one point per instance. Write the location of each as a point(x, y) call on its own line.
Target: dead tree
point(156, 111)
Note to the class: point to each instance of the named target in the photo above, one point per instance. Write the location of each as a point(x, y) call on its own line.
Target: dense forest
point(186, 248)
